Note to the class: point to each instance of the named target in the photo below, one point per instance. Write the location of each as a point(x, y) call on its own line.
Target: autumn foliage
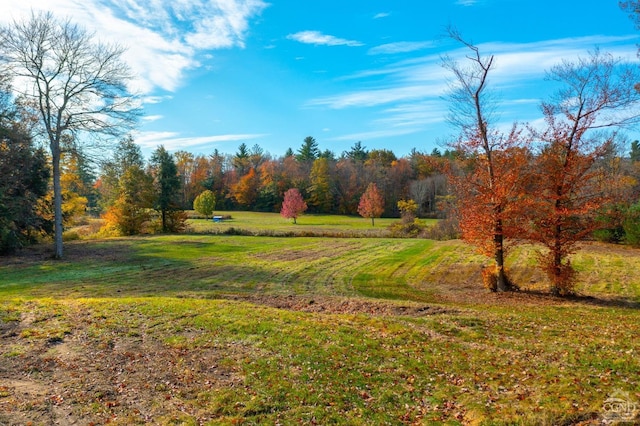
point(547, 186)
point(246, 190)
point(489, 176)
point(371, 203)
point(293, 204)
point(574, 180)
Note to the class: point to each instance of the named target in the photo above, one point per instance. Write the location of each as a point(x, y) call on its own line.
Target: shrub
point(176, 221)
point(490, 279)
point(404, 229)
point(631, 225)
point(609, 235)
point(237, 231)
point(125, 219)
point(445, 229)
point(563, 278)
point(611, 228)
point(70, 235)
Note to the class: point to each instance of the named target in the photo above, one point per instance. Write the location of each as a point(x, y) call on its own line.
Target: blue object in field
point(217, 218)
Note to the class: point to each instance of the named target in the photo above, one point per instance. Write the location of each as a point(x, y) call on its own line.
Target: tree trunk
point(498, 238)
point(372, 219)
point(164, 220)
point(57, 202)
point(557, 265)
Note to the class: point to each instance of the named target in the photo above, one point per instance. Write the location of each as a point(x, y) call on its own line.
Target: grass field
point(214, 329)
point(307, 224)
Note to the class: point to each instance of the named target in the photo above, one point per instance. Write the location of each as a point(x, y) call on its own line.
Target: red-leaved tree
point(293, 204)
point(371, 203)
point(489, 180)
point(596, 98)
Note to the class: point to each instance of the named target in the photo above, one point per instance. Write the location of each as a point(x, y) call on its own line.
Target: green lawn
point(214, 329)
point(308, 223)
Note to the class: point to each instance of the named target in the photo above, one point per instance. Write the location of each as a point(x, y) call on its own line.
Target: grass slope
point(228, 330)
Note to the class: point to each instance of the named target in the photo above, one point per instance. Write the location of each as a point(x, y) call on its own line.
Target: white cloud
point(466, 2)
point(173, 141)
point(403, 119)
point(163, 37)
point(417, 114)
point(317, 38)
point(411, 90)
point(379, 96)
point(150, 118)
point(400, 47)
point(155, 99)
point(424, 77)
point(381, 15)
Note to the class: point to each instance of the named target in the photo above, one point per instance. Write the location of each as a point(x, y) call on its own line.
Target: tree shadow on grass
point(582, 299)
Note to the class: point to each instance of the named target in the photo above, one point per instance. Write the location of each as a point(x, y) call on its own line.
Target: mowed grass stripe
point(382, 268)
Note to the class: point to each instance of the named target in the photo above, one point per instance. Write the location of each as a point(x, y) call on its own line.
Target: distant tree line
point(252, 180)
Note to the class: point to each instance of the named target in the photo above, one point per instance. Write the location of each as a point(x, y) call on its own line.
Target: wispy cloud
point(379, 96)
point(412, 115)
point(155, 99)
point(163, 37)
point(411, 91)
point(424, 78)
point(466, 2)
point(173, 141)
point(402, 119)
point(400, 47)
point(150, 118)
point(320, 39)
point(381, 15)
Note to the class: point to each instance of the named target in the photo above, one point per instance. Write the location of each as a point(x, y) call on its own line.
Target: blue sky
point(216, 73)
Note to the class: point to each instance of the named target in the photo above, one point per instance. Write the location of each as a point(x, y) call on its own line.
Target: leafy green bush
point(631, 225)
point(205, 203)
point(610, 221)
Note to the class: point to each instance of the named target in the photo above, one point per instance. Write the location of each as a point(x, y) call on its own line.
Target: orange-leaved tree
point(596, 99)
point(293, 204)
point(488, 182)
point(371, 203)
point(246, 190)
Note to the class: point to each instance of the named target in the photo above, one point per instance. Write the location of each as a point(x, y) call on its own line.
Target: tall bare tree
point(488, 183)
point(73, 84)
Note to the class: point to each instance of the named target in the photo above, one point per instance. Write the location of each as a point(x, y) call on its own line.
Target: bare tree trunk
point(76, 84)
point(502, 282)
point(57, 201)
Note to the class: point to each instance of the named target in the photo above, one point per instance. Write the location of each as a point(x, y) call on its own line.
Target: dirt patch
point(116, 377)
point(474, 295)
point(335, 305)
point(73, 251)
